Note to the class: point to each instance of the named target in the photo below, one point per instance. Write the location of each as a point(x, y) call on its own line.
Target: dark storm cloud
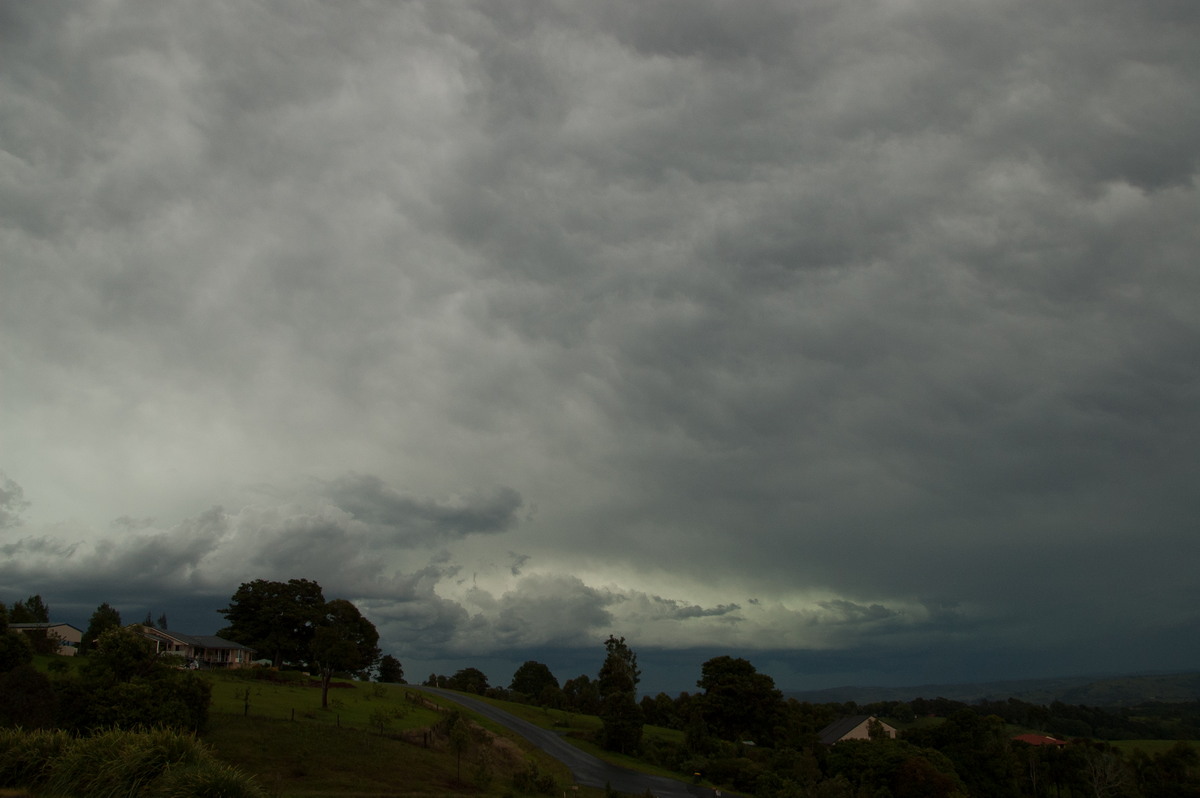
point(696, 611)
point(368, 499)
point(884, 314)
point(37, 546)
point(556, 610)
point(850, 612)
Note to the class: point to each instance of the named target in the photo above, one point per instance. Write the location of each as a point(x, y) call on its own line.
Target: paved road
point(587, 769)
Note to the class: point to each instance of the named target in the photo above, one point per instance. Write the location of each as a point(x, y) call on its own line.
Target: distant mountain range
point(1108, 691)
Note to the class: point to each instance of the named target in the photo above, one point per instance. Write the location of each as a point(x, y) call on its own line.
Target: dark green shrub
point(155, 764)
point(27, 698)
point(532, 780)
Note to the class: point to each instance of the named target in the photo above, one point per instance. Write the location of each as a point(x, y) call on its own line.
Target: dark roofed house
point(854, 727)
point(200, 651)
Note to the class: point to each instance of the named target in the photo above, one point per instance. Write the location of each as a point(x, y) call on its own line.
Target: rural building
point(199, 651)
point(68, 636)
point(854, 727)
point(1038, 739)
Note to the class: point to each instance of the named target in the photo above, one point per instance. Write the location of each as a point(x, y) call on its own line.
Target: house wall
point(863, 731)
point(68, 636)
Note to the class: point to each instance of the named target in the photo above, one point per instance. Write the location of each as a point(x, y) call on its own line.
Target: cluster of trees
point(1154, 721)
point(292, 623)
point(121, 683)
point(739, 730)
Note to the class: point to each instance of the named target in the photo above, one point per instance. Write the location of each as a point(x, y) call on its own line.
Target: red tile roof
point(1039, 739)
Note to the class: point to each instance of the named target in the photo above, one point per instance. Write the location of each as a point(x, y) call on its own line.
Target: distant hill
point(1110, 691)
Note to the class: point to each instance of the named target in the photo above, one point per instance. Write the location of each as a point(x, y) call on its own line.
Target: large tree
point(277, 619)
point(343, 641)
point(390, 670)
point(103, 619)
point(619, 710)
point(532, 678)
point(469, 680)
point(739, 703)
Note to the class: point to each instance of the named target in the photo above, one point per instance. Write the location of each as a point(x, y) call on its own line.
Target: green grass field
point(374, 740)
point(1151, 747)
point(352, 704)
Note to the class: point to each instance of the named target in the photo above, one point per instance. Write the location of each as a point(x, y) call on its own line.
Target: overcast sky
point(859, 339)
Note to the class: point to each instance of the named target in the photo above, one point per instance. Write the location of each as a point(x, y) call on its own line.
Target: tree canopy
point(34, 610)
point(389, 670)
point(469, 680)
point(277, 619)
point(343, 641)
point(619, 711)
point(532, 678)
point(739, 703)
point(103, 619)
point(31, 610)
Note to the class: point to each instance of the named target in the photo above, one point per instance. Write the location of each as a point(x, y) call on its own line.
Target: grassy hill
point(374, 740)
point(378, 740)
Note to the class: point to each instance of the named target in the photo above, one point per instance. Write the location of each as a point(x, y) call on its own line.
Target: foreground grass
point(374, 740)
point(117, 764)
point(383, 707)
point(306, 759)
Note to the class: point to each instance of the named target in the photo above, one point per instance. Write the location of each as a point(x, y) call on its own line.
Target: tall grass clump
point(26, 756)
point(210, 780)
point(152, 764)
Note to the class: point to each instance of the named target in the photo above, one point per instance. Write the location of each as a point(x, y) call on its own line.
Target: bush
point(157, 764)
point(532, 780)
point(14, 650)
point(27, 698)
point(170, 699)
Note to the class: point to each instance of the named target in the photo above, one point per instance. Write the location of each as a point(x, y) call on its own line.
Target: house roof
point(41, 626)
point(841, 727)
point(1039, 739)
point(198, 641)
point(212, 641)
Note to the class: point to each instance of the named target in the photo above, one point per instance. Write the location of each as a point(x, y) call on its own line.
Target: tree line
point(740, 731)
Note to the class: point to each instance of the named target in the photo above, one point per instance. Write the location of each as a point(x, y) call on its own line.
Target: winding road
point(587, 769)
